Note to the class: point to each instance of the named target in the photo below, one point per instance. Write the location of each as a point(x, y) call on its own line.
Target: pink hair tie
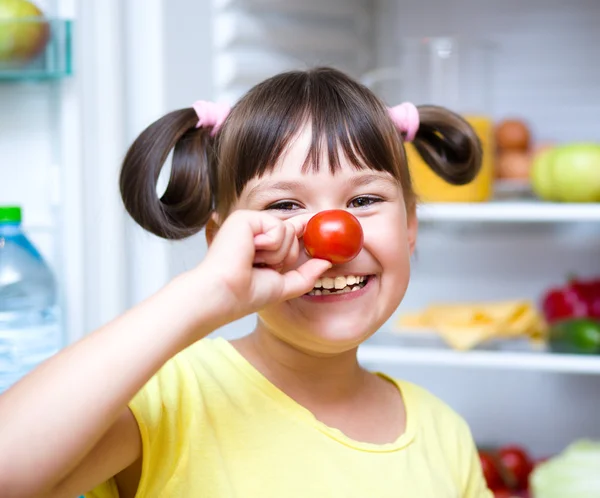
point(406, 118)
point(211, 114)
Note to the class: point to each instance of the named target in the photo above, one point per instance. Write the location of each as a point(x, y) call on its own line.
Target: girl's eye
point(364, 201)
point(284, 206)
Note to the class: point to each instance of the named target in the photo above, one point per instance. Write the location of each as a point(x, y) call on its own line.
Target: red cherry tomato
point(492, 475)
point(503, 493)
point(517, 465)
point(334, 235)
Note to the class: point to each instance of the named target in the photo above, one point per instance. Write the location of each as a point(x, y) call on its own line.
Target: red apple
point(23, 32)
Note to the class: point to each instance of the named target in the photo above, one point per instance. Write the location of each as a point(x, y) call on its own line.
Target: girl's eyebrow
point(280, 186)
point(369, 178)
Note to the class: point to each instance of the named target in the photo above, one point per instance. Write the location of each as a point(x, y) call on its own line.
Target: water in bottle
point(30, 323)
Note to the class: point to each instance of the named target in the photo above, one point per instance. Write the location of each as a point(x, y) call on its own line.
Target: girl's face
point(336, 322)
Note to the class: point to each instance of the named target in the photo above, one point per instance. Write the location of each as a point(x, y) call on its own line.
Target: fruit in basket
point(23, 32)
point(575, 336)
point(567, 173)
point(334, 235)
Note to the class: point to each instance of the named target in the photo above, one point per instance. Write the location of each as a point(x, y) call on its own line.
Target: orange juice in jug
point(431, 188)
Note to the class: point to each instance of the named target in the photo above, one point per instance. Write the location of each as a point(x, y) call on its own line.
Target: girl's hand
point(251, 263)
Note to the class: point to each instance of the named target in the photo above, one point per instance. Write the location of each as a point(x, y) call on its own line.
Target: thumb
point(302, 280)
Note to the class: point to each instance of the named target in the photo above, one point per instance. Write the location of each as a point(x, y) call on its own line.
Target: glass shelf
point(48, 55)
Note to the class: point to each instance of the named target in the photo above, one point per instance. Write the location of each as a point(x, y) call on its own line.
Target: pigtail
point(448, 144)
point(187, 203)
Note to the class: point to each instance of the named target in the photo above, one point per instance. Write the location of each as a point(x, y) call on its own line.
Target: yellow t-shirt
point(213, 426)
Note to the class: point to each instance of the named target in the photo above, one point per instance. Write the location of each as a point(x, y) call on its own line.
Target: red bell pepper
point(577, 299)
point(589, 291)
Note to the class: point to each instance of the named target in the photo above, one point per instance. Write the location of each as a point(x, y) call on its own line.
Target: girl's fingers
point(271, 239)
point(299, 223)
point(285, 255)
point(292, 253)
point(279, 244)
point(275, 230)
point(287, 251)
point(302, 280)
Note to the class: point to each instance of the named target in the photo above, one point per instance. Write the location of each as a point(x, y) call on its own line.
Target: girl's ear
point(212, 227)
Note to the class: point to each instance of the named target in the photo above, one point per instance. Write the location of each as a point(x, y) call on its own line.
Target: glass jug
point(455, 73)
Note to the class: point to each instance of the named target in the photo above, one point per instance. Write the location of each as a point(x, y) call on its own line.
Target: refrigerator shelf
point(525, 211)
point(52, 46)
point(500, 360)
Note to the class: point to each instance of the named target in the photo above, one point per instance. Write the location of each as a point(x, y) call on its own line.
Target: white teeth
point(327, 283)
point(340, 282)
point(338, 285)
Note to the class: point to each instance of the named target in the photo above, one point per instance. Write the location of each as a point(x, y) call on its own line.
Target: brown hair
point(209, 173)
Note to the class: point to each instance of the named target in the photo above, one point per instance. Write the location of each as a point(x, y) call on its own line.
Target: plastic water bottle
point(30, 328)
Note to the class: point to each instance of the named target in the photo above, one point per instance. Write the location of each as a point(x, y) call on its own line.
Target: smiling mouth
point(339, 285)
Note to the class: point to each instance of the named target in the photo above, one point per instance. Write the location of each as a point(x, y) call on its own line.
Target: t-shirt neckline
point(298, 411)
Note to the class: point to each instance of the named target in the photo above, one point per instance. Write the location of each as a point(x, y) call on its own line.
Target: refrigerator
point(63, 136)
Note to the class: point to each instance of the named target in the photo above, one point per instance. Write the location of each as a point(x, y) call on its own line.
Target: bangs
point(344, 116)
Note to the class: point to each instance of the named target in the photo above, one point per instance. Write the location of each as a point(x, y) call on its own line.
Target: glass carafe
point(455, 73)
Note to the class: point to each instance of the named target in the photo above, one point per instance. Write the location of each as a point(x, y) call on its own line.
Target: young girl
point(147, 406)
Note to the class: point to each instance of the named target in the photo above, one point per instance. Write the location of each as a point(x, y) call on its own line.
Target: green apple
point(576, 172)
point(23, 32)
point(540, 174)
point(568, 173)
